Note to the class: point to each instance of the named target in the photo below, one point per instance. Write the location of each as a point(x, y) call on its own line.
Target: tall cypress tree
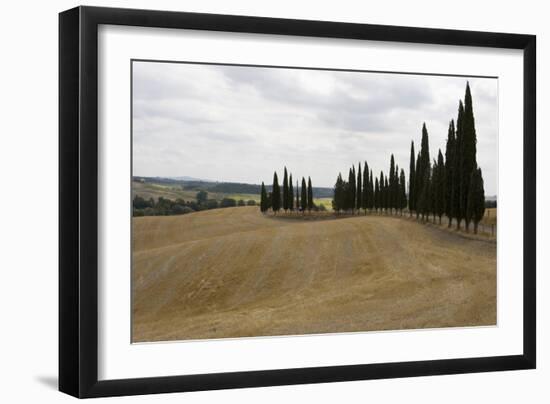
point(275, 194)
point(402, 192)
point(350, 200)
point(371, 192)
point(450, 152)
point(469, 163)
point(339, 194)
point(476, 198)
point(423, 167)
point(396, 196)
point(386, 193)
point(366, 188)
point(391, 190)
point(376, 195)
point(297, 196)
point(263, 199)
point(285, 191)
point(412, 181)
point(382, 200)
point(458, 174)
point(303, 202)
point(359, 193)
point(309, 194)
point(439, 190)
point(290, 193)
point(417, 186)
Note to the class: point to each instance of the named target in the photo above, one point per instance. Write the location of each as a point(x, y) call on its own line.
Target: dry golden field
point(235, 273)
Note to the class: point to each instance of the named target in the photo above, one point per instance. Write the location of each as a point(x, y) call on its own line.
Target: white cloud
point(232, 123)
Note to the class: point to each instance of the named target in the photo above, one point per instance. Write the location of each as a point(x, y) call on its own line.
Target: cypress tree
point(391, 190)
point(366, 188)
point(275, 194)
point(359, 193)
point(412, 181)
point(371, 192)
point(309, 194)
point(353, 188)
point(303, 202)
point(423, 165)
point(297, 196)
point(285, 191)
point(382, 201)
point(450, 205)
point(263, 199)
point(376, 195)
point(396, 196)
point(476, 198)
point(350, 200)
point(290, 193)
point(459, 201)
point(386, 194)
point(439, 207)
point(338, 199)
point(402, 192)
point(469, 163)
point(417, 185)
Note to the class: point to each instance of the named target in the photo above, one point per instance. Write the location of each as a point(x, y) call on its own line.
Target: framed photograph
point(250, 201)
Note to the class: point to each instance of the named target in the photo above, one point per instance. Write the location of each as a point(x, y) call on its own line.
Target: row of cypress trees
point(453, 185)
point(450, 185)
point(385, 193)
point(287, 201)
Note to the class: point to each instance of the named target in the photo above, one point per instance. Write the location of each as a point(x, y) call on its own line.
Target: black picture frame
point(78, 201)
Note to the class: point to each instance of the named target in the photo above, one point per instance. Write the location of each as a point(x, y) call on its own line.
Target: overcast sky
point(239, 124)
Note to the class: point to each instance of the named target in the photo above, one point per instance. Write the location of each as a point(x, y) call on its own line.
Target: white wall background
point(28, 200)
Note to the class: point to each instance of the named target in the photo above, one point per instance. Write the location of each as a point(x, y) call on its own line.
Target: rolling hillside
point(234, 272)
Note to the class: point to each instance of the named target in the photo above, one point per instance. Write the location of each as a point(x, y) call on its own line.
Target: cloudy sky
point(239, 124)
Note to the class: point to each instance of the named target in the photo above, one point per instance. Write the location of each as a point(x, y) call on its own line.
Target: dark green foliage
point(339, 197)
point(469, 150)
point(290, 193)
point(275, 194)
point(392, 185)
point(285, 191)
point(439, 186)
point(458, 175)
point(366, 188)
point(350, 200)
point(412, 180)
point(201, 197)
point(450, 186)
point(376, 195)
point(140, 203)
point(359, 193)
point(371, 192)
point(263, 199)
point(251, 202)
point(386, 193)
point(211, 204)
point(241, 202)
point(309, 194)
point(422, 171)
point(228, 203)
point(297, 196)
point(476, 199)
point(402, 191)
point(303, 201)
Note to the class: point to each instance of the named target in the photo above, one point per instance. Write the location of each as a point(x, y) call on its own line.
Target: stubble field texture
point(237, 273)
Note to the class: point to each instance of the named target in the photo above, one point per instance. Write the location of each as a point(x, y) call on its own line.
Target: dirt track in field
point(234, 273)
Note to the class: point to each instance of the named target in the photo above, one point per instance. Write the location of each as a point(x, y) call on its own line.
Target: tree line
point(450, 185)
point(289, 199)
point(167, 207)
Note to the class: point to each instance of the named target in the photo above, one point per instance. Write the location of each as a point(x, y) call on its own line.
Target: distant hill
point(190, 183)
